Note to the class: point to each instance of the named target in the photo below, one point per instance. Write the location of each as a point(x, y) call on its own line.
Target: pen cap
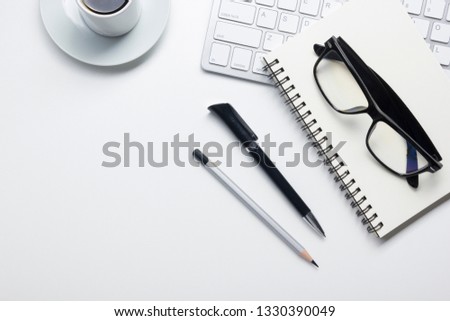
point(235, 122)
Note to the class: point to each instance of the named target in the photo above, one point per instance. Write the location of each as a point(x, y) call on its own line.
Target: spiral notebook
point(395, 50)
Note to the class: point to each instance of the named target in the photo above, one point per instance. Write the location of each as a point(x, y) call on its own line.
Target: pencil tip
point(314, 262)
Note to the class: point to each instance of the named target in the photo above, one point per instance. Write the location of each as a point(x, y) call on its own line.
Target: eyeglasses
point(395, 139)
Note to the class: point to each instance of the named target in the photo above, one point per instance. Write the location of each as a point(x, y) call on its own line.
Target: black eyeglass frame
point(360, 70)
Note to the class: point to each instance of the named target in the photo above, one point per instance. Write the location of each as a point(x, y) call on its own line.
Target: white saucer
point(68, 30)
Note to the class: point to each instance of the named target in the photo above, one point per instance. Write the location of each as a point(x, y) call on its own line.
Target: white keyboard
point(241, 32)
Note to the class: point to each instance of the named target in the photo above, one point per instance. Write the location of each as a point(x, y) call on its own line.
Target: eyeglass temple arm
point(412, 165)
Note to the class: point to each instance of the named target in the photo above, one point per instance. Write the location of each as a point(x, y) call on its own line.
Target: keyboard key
point(269, 3)
point(288, 23)
point(272, 41)
point(310, 7)
point(435, 9)
point(443, 54)
point(329, 6)
point(440, 32)
point(238, 34)
point(413, 6)
point(307, 22)
point(258, 66)
point(448, 13)
point(241, 59)
point(447, 72)
point(267, 18)
point(290, 5)
point(423, 26)
point(219, 54)
point(237, 12)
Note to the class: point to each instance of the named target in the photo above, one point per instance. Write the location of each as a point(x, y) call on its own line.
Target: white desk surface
point(71, 229)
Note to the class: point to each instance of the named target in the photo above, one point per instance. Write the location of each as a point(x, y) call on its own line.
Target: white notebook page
point(384, 36)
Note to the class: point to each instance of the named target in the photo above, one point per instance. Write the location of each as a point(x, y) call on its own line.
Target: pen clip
point(235, 122)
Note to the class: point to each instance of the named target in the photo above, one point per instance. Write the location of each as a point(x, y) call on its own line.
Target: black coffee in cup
point(105, 6)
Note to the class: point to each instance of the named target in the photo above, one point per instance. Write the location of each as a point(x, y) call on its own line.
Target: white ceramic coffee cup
point(114, 24)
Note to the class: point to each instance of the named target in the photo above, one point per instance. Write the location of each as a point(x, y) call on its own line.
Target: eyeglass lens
point(394, 151)
point(339, 86)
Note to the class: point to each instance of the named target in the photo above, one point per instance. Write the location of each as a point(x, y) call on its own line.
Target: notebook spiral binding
point(324, 148)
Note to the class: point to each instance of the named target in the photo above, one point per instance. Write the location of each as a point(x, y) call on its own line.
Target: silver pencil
point(254, 207)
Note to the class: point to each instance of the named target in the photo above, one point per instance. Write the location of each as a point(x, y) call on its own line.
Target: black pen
point(248, 138)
